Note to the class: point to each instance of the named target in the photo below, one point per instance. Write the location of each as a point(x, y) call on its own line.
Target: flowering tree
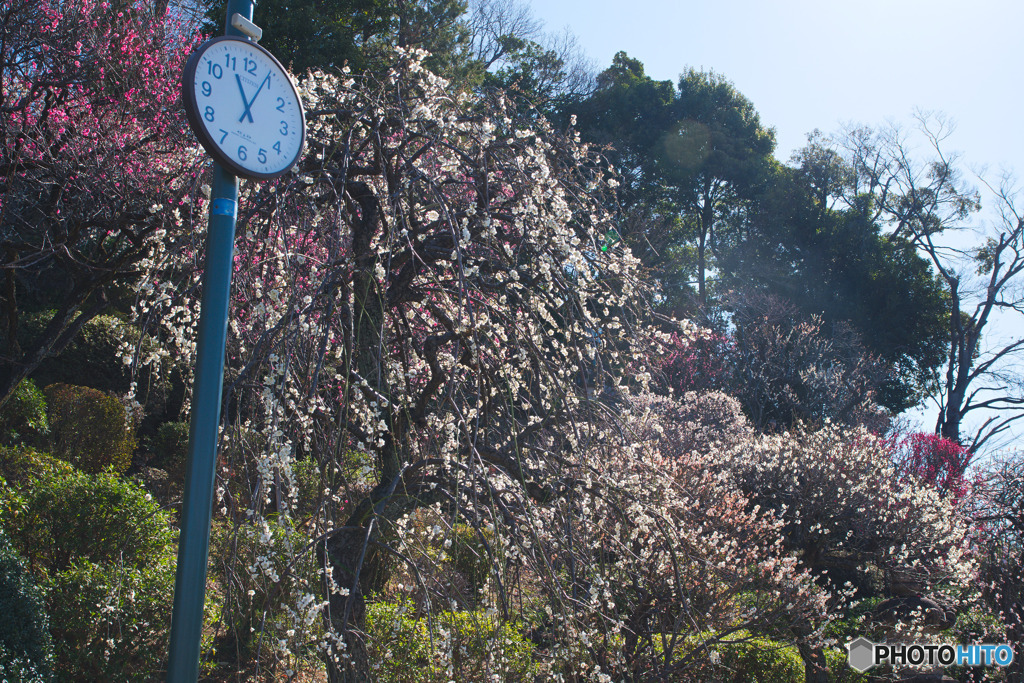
point(849, 518)
point(936, 461)
point(677, 559)
point(427, 296)
point(998, 511)
point(785, 369)
point(94, 162)
point(696, 362)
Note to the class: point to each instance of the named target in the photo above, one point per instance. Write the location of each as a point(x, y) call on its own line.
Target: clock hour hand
point(245, 101)
point(248, 105)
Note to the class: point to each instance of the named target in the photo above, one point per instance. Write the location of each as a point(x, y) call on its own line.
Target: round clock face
point(243, 107)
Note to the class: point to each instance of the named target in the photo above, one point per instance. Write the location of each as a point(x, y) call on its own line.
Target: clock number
point(241, 152)
point(284, 128)
point(214, 70)
point(230, 62)
point(207, 89)
point(250, 66)
point(223, 137)
point(280, 104)
point(277, 147)
point(262, 156)
point(208, 114)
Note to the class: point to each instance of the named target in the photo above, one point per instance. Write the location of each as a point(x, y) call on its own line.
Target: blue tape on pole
point(223, 207)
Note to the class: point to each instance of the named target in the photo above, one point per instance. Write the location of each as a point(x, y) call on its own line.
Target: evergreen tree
point(331, 34)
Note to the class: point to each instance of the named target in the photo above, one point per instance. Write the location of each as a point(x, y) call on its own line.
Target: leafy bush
point(111, 621)
point(104, 549)
point(308, 485)
point(23, 417)
point(20, 466)
point(89, 429)
point(837, 659)
point(171, 443)
point(15, 668)
point(854, 622)
point(466, 646)
point(99, 518)
point(91, 359)
point(741, 657)
point(26, 650)
point(756, 659)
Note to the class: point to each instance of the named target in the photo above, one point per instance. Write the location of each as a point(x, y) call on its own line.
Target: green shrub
point(12, 505)
point(99, 518)
point(104, 551)
point(309, 485)
point(26, 650)
point(92, 359)
point(465, 646)
point(18, 669)
point(743, 657)
point(856, 621)
point(111, 622)
point(762, 660)
point(487, 648)
point(89, 429)
point(979, 625)
point(95, 358)
point(976, 625)
point(20, 466)
point(400, 646)
point(837, 659)
point(23, 417)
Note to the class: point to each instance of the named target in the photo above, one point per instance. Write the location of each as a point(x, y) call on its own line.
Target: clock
point(243, 107)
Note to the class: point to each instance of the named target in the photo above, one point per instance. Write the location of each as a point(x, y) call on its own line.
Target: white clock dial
point(244, 108)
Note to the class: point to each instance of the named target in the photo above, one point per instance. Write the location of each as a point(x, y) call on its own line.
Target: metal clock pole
point(196, 513)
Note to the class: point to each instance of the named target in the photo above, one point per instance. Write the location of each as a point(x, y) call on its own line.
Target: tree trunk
point(949, 424)
point(357, 565)
point(815, 666)
point(957, 368)
point(360, 566)
point(702, 296)
point(345, 553)
point(706, 216)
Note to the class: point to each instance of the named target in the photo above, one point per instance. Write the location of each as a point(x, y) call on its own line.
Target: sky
point(827, 64)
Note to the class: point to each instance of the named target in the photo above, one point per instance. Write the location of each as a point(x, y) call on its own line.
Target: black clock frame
point(188, 98)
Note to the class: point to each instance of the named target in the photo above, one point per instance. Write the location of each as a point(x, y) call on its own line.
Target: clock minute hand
point(248, 105)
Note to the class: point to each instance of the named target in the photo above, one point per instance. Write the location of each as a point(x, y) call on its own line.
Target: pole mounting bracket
point(246, 27)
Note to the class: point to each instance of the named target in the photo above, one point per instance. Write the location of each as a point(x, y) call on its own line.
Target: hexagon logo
point(862, 654)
